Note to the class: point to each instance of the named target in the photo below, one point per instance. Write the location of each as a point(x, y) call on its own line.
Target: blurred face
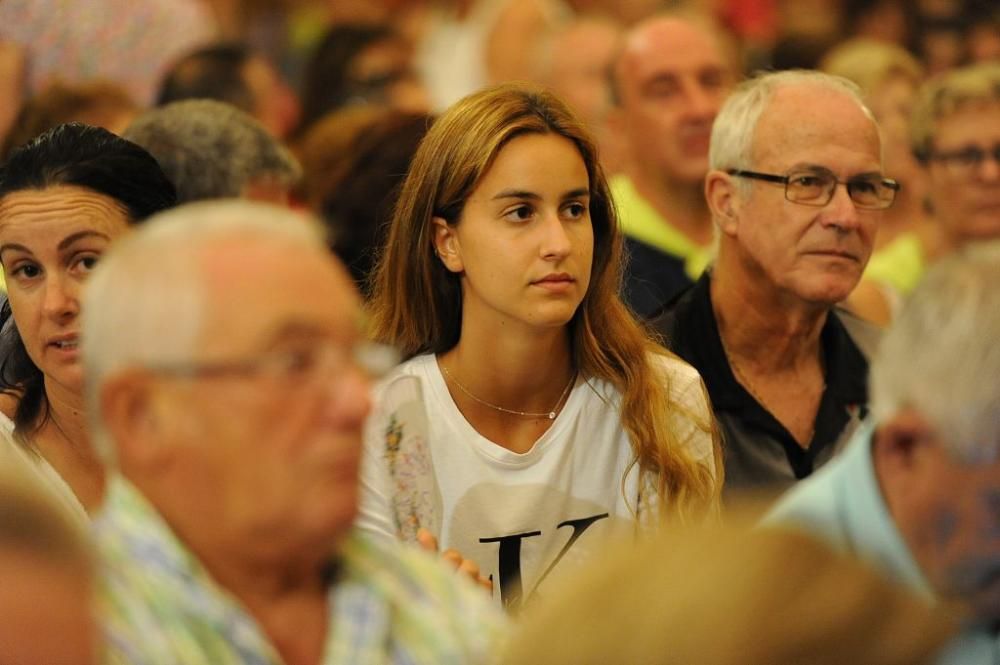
point(672, 79)
point(524, 243)
point(813, 254)
point(579, 63)
point(45, 614)
point(276, 105)
point(966, 196)
point(384, 73)
point(269, 428)
point(50, 240)
point(950, 514)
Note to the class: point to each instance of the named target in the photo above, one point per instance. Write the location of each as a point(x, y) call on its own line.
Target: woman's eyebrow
point(73, 237)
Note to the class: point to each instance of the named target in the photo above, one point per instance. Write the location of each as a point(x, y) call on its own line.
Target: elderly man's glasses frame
point(815, 187)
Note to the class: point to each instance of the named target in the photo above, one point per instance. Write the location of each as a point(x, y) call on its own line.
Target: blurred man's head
point(796, 187)
point(234, 74)
point(212, 150)
point(46, 581)
point(956, 135)
point(574, 64)
point(668, 82)
point(233, 399)
point(936, 398)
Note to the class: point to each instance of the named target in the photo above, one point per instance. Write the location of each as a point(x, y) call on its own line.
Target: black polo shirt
point(758, 451)
point(652, 278)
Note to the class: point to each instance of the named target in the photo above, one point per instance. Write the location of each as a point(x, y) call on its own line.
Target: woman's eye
point(519, 214)
point(26, 270)
point(575, 210)
point(86, 262)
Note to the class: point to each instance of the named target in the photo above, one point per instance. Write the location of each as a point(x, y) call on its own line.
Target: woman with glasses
point(64, 198)
point(534, 419)
point(955, 134)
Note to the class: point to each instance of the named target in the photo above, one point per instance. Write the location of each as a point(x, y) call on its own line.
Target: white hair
point(734, 128)
point(145, 302)
point(942, 355)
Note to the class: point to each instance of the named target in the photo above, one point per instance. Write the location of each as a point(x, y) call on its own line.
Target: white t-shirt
point(515, 515)
point(36, 469)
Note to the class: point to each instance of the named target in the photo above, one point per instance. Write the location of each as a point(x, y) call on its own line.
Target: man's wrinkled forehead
point(669, 45)
point(808, 114)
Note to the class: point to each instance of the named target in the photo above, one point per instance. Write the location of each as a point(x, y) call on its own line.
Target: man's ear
point(723, 201)
point(446, 245)
point(130, 413)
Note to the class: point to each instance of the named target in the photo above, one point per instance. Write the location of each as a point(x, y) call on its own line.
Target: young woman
point(533, 419)
point(64, 197)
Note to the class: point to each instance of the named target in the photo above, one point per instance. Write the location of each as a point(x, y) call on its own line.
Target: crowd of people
point(499, 331)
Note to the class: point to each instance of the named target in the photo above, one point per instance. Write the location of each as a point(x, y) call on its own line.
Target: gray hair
point(211, 150)
point(736, 124)
point(145, 302)
point(942, 355)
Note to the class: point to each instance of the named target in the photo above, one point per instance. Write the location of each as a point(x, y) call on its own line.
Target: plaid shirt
point(159, 606)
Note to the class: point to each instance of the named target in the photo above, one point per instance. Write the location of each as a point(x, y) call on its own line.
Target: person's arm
point(11, 85)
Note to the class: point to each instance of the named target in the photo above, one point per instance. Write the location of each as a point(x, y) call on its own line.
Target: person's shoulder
point(865, 335)
point(680, 375)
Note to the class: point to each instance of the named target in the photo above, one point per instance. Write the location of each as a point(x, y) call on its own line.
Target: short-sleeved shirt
point(387, 603)
point(759, 452)
point(524, 518)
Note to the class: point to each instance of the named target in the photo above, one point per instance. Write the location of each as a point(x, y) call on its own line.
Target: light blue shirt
point(842, 504)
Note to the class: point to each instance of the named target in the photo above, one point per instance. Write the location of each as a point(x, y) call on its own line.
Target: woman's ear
point(446, 245)
point(723, 201)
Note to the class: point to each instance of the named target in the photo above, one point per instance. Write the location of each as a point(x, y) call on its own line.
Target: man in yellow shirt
point(668, 83)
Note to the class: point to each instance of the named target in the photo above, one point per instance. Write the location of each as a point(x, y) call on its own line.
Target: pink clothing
point(128, 42)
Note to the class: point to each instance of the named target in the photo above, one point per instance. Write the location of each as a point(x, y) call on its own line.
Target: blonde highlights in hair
point(416, 303)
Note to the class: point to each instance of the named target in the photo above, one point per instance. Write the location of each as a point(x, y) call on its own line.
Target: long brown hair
point(416, 302)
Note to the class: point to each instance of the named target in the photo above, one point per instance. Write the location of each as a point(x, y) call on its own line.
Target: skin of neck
point(682, 204)
point(761, 325)
point(65, 444)
point(516, 367)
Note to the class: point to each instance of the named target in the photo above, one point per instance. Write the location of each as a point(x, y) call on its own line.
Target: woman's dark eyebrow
point(516, 194)
point(15, 247)
point(73, 237)
point(577, 193)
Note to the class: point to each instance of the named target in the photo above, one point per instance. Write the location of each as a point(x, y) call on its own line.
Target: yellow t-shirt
point(900, 264)
point(640, 221)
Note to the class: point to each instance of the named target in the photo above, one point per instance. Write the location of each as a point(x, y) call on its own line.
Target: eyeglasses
point(815, 187)
point(966, 161)
point(294, 366)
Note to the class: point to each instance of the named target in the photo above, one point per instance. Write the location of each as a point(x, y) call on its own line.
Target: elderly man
point(226, 535)
point(211, 150)
point(796, 189)
point(918, 494)
point(667, 84)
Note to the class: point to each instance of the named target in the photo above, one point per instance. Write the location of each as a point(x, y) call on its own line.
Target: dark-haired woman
point(64, 198)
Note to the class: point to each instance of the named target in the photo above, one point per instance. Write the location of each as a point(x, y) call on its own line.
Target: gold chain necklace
point(551, 415)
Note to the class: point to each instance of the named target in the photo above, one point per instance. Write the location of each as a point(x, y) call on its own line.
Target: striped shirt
point(160, 606)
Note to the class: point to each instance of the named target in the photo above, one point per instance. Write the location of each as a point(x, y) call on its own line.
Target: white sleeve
point(399, 491)
point(375, 515)
point(693, 422)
